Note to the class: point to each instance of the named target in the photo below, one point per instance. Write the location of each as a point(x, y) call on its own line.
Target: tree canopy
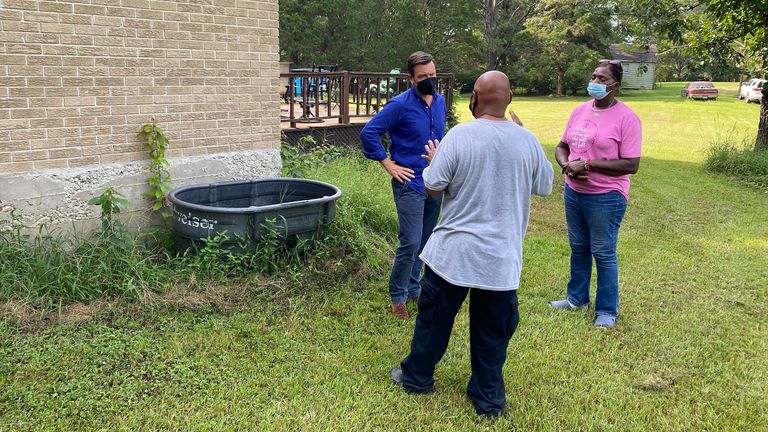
point(548, 46)
point(545, 46)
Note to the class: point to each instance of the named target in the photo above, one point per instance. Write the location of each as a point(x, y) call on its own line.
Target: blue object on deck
point(297, 85)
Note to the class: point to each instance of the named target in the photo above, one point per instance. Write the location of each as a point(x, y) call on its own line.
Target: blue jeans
point(593, 231)
point(417, 216)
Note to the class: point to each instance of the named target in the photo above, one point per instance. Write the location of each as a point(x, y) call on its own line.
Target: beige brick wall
point(78, 78)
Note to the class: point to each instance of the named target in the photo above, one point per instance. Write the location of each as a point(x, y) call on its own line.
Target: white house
point(639, 68)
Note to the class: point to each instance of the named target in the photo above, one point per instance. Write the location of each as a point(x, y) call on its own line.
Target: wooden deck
point(323, 98)
point(310, 121)
point(334, 106)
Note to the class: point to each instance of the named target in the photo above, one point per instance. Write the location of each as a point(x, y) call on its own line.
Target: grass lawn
point(689, 353)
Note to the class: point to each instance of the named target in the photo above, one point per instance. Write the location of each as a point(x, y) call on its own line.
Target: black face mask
point(473, 104)
point(426, 86)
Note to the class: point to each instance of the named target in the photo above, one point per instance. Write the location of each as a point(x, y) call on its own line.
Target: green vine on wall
point(160, 176)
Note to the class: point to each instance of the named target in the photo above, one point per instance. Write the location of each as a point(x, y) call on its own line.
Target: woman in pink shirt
point(600, 148)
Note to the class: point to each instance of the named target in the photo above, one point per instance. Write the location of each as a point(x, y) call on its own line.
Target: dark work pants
point(493, 318)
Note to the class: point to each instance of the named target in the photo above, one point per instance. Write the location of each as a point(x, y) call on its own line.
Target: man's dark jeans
point(417, 215)
point(493, 318)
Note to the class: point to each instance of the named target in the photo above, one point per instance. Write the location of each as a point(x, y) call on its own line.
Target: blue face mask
point(597, 90)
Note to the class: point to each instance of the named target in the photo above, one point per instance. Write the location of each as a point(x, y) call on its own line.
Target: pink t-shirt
point(602, 134)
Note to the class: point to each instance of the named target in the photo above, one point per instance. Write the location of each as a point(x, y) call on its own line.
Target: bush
point(740, 161)
point(451, 118)
point(219, 258)
point(297, 159)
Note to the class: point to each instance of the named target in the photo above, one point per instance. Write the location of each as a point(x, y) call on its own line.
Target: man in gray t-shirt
point(487, 170)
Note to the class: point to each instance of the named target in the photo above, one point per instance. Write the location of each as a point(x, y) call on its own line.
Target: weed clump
point(740, 161)
point(46, 268)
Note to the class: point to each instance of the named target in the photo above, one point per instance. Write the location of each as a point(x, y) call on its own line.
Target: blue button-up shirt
point(410, 123)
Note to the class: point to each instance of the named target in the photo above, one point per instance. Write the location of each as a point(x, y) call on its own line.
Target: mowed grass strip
point(689, 351)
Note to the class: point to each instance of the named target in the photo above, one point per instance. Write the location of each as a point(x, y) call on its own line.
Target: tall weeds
point(740, 161)
point(48, 268)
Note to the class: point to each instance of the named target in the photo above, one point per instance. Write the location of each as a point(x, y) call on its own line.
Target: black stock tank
point(246, 210)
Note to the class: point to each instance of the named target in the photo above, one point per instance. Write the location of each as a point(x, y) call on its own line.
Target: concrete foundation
point(59, 197)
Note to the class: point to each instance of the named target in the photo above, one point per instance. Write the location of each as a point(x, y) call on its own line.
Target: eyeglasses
point(616, 63)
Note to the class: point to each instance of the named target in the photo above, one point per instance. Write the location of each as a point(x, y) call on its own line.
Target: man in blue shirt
point(412, 119)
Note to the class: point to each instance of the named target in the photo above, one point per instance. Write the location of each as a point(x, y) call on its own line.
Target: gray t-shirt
point(488, 171)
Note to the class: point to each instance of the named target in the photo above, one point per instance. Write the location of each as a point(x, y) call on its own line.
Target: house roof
point(647, 56)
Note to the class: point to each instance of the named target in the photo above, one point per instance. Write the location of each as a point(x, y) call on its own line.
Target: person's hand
point(399, 173)
point(515, 118)
point(431, 150)
point(575, 169)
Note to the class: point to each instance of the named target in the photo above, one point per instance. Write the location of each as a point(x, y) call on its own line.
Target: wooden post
point(316, 95)
point(344, 95)
point(291, 99)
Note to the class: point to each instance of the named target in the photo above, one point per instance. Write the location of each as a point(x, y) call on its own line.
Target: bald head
point(492, 94)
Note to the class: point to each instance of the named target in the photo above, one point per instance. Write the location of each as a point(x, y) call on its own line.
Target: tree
point(561, 44)
point(727, 32)
point(300, 28)
point(502, 19)
point(674, 63)
point(378, 35)
point(747, 21)
point(448, 30)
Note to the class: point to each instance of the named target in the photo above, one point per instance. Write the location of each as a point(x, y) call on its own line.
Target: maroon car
point(703, 90)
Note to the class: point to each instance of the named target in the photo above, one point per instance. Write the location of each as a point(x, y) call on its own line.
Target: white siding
point(638, 76)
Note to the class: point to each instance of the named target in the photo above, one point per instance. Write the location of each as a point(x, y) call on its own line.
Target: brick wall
point(78, 78)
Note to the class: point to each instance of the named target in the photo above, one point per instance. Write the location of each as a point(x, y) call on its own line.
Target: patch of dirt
point(34, 320)
point(18, 312)
point(655, 383)
point(76, 313)
point(223, 298)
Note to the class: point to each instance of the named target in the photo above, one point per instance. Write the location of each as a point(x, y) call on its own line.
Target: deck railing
point(320, 96)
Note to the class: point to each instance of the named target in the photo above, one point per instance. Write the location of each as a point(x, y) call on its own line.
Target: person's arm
point(515, 118)
point(614, 168)
point(562, 151)
point(398, 172)
point(579, 168)
point(430, 150)
point(373, 149)
point(441, 169)
point(542, 174)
